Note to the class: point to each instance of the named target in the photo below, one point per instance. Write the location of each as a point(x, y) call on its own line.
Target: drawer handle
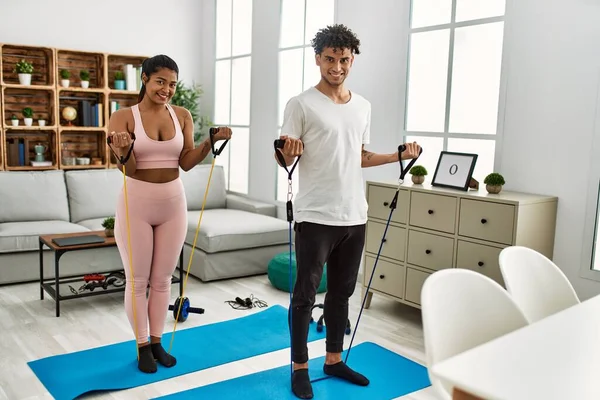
point(480, 263)
point(430, 212)
point(427, 251)
point(483, 220)
point(385, 203)
point(381, 276)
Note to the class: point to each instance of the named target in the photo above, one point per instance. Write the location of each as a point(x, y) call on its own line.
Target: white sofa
point(238, 236)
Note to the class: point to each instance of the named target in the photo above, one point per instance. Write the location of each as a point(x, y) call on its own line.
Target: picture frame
point(454, 170)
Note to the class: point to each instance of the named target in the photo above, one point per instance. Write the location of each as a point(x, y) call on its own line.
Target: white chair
point(462, 309)
point(536, 284)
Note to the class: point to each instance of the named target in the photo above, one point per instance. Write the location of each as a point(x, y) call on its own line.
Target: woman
point(157, 205)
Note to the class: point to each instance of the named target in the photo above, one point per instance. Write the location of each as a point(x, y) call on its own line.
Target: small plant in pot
point(85, 78)
point(24, 69)
point(64, 77)
point(28, 116)
point(109, 226)
point(14, 120)
point(119, 80)
point(41, 122)
point(418, 173)
point(493, 183)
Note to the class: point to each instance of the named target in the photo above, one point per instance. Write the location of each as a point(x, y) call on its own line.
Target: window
point(232, 87)
point(300, 21)
point(453, 88)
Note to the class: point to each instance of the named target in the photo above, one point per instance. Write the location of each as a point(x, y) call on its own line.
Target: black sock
point(341, 370)
point(301, 384)
point(146, 361)
point(162, 356)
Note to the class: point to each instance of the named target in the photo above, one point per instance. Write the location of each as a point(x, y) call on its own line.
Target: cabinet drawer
point(388, 278)
point(395, 240)
point(414, 283)
point(433, 211)
point(380, 198)
point(487, 221)
point(430, 251)
point(479, 258)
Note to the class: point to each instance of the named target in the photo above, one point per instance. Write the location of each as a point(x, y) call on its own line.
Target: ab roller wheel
point(186, 309)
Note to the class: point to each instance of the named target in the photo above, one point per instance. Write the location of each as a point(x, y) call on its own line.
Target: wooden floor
point(29, 330)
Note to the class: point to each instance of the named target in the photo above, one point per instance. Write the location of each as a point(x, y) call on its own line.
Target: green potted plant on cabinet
point(494, 182)
point(24, 69)
point(109, 226)
point(188, 97)
point(84, 75)
point(418, 173)
point(14, 120)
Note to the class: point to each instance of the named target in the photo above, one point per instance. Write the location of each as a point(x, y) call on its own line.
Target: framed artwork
point(454, 170)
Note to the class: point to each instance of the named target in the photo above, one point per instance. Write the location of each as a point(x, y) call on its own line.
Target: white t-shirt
point(329, 173)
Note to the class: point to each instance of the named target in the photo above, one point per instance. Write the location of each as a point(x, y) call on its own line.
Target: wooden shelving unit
point(66, 143)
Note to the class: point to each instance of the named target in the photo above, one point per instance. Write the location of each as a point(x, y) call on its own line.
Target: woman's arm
point(191, 156)
point(118, 124)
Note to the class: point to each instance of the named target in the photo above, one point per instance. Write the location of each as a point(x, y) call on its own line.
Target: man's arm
point(370, 159)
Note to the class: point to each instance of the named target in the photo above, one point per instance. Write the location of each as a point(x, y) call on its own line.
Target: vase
point(120, 85)
point(85, 84)
point(493, 189)
point(418, 179)
point(65, 82)
point(109, 232)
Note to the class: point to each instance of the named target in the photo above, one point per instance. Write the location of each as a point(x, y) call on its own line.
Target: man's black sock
point(162, 356)
point(341, 370)
point(146, 362)
point(301, 384)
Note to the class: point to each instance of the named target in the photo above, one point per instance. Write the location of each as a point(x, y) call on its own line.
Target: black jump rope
point(278, 144)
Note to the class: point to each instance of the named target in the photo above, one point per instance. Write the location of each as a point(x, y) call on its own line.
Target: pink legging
point(158, 226)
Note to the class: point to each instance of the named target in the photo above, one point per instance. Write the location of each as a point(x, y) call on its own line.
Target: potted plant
point(109, 226)
point(64, 75)
point(28, 116)
point(493, 183)
point(119, 80)
point(41, 122)
point(418, 173)
point(188, 97)
point(24, 69)
point(85, 78)
point(14, 120)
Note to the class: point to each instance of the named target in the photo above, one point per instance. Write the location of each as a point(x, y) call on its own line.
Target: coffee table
point(53, 286)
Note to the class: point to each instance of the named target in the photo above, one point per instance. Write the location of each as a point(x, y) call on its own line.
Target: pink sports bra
point(150, 153)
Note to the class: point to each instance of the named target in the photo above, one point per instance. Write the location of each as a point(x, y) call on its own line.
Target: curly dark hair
point(336, 37)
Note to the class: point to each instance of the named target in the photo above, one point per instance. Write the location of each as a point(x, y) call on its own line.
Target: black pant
point(341, 248)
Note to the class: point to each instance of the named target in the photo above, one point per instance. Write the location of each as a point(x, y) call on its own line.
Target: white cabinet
point(435, 228)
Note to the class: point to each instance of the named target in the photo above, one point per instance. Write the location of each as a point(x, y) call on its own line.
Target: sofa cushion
point(94, 224)
point(33, 196)
point(224, 230)
point(24, 236)
point(194, 182)
point(93, 193)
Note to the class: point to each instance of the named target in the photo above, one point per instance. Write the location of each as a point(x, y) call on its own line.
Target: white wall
point(553, 71)
point(146, 27)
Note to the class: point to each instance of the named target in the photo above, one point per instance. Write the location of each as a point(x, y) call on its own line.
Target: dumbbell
point(185, 309)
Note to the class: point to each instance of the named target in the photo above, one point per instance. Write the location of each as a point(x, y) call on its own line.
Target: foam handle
point(109, 138)
point(279, 143)
point(401, 148)
point(196, 310)
point(213, 131)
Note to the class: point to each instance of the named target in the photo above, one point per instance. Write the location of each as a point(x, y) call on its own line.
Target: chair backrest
point(536, 284)
point(462, 309)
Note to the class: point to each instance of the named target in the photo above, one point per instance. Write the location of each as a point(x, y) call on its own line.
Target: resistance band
point(215, 152)
point(278, 144)
point(123, 161)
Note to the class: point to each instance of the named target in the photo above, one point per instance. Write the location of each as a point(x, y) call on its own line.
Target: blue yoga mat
point(114, 366)
point(390, 376)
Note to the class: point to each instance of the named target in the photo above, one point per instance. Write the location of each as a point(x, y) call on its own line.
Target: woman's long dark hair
point(153, 64)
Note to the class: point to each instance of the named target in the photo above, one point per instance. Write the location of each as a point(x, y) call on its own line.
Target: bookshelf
point(65, 142)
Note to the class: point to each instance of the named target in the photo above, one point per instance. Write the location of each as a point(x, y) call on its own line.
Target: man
point(329, 125)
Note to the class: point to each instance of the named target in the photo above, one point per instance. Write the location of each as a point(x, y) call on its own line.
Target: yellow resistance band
point(192, 254)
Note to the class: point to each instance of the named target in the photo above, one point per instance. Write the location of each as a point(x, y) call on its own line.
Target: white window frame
point(217, 123)
point(445, 135)
point(591, 230)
